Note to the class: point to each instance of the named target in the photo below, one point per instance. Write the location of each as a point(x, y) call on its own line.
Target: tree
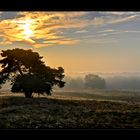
point(28, 73)
point(74, 83)
point(94, 82)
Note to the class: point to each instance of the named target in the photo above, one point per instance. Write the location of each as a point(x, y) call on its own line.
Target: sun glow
point(27, 31)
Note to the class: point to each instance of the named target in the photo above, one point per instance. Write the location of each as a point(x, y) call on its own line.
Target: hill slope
point(19, 112)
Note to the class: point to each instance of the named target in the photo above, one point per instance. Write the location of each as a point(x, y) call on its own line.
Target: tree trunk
point(28, 94)
point(19, 69)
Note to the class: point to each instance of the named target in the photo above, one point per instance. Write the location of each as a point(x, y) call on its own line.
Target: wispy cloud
point(106, 31)
point(81, 31)
point(42, 29)
point(119, 13)
point(44, 25)
point(0, 14)
point(131, 31)
point(118, 17)
point(113, 31)
point(118, 20)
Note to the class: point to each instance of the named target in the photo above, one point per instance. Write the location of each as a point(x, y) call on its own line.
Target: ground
point(67, 110)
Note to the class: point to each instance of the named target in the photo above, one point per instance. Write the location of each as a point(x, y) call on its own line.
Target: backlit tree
point(28, 73)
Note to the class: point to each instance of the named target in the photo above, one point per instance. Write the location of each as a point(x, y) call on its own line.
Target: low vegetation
point(57, 112)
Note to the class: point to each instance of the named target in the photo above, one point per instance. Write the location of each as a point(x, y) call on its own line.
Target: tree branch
point(19, 69)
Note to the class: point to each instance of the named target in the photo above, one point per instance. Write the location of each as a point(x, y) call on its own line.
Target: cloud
point(97, 39)
point(112, 31)
point(131, 31)
point(118, 20)
point(81, 31)
point(44, 25)
point(0, 14)
point(119, 13)
point(56, 42)
point(105, 31)
point(42, 29)
point(115, 19)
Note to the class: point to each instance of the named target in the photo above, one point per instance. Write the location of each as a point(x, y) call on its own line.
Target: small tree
point(28, 73)
point(94, 82)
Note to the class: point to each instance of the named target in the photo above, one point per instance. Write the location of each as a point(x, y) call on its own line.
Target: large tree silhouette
point(28, 73)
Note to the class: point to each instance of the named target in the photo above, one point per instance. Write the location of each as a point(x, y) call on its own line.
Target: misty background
point(113, 81)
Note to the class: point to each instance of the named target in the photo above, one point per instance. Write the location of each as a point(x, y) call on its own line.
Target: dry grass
point(59, 111)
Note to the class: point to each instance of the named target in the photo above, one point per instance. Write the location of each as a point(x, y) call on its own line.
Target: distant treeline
point(91, 81)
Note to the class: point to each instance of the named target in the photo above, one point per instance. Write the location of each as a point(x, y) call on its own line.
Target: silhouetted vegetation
point(28, 73)
point(120, 82)
point(94, 82)
point(90, 81)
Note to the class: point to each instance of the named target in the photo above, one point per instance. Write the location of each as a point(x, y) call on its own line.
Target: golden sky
point(78, 41)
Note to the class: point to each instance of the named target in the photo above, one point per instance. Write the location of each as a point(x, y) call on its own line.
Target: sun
point(27, 31)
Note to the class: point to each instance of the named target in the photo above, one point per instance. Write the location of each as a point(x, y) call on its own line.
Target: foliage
point(94, 82)
point(28, 73)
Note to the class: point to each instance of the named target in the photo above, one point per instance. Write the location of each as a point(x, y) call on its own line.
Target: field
point(71, 109)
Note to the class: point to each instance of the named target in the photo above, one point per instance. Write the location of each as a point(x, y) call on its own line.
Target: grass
point(59, 112)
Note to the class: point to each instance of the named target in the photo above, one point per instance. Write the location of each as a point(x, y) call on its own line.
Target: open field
point(98, 109)
point(101, 95)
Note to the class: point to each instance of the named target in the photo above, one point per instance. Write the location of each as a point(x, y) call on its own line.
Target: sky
point(80, 42)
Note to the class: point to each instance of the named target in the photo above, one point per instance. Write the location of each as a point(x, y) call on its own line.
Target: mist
point(123, 82)
point(117, 81)
point(113, 81)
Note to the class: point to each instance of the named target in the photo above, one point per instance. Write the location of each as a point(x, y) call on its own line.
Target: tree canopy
point(94, 82)
point(28, 73)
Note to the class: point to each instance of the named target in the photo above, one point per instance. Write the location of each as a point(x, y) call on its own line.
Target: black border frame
point(70, 5)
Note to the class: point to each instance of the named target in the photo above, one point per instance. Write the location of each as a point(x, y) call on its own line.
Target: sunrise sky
point(77, 41)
